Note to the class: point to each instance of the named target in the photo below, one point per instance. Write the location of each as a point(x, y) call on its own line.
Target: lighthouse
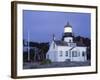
point(66, 49)
point(68, 34)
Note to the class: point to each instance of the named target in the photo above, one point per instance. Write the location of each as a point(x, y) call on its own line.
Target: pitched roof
point(61, 43)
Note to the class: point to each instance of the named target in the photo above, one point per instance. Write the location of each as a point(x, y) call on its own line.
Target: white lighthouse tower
point(68, 34)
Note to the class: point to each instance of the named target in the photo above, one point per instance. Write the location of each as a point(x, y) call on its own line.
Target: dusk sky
point(43, 24)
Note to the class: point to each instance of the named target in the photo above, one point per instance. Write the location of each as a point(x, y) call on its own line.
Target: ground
point(37, 65)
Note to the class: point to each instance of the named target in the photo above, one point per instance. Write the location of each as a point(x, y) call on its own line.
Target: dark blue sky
point(43, 24)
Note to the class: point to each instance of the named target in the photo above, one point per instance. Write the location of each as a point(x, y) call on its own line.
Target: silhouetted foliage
point(85, 41)
point(41, 53)
point(25, 57)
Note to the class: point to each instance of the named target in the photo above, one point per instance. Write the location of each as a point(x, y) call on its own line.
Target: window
point(66, 53)
point(79, 53)
point(83, 53)
point(70, 53)
point(61, 53)
point(70, 40)
point(74, 54)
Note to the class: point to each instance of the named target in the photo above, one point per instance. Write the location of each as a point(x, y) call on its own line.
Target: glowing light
point(68, 29)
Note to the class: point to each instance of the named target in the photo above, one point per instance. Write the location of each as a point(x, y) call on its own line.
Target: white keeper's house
point(66, 49)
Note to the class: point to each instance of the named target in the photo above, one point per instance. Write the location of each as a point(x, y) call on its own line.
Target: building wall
point(63, 57)
point(58, 53)
point(79, 56)
point(52, 52)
